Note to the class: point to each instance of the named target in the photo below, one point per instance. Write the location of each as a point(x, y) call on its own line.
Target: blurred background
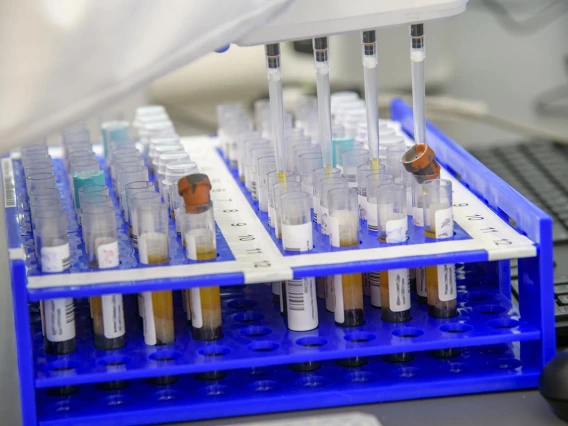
point(497, 73)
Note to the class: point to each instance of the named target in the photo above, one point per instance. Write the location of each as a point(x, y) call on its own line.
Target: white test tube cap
point(391, 213)
point(438, 211)
point(343, 217)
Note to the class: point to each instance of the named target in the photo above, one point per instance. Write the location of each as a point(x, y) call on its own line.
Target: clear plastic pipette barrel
point(276, 105)
point(324, 105)
point(417, 56)
point(370, 62)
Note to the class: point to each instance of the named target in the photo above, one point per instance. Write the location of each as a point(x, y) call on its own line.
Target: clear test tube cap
point(343, 217)
point(391, 213)
point(438, 212)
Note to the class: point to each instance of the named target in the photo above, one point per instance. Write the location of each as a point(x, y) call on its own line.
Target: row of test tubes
point(353, 193)
point(147, 208)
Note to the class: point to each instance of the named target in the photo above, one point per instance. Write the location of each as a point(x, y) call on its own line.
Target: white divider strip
point(496, 236)
point(254, 250)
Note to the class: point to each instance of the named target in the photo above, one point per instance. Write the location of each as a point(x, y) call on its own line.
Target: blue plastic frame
point(500, 348)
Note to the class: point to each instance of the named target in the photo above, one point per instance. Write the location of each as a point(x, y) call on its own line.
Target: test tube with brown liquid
point(200, 244)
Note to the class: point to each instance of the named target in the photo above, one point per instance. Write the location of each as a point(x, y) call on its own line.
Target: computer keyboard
point(539, 171)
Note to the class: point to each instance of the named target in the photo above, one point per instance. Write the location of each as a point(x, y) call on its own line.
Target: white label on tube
point(263, 200)
point(324, 213)
point(362, 206)
point(148, 317)
point(107, 252)
point(253, 191)
point(277, 225)
point(190, 245)
point(297, 238)
point(310, 190)
point(339, 315)
point(59, 319)
point(317, 209)
point(276, 288)
point(447, 282)
point(196, 315)
point(330, 292)
point(421, 289)
point(397, 230)
point(302, 307)
point(444, 222)
point(352, 184)
point(334, 236)
point(418, 216)
point(113, 315)
point(55, 259)
point(375, 283)
point(271, 216)
point(399, 290)
point(372, 221)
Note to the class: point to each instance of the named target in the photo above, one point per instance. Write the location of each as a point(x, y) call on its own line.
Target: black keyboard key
point(563, 299)
point(560, 312)
point(561, 289)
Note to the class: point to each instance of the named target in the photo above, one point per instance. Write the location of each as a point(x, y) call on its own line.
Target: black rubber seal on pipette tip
point(417, 30)
point(272, 49)
point(369, 36)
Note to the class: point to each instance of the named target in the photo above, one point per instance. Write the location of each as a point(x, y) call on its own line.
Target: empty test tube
point(163, 160)
point(318, 175)
point(273, 178)
point(38, 181)
point(278, 189)
point(115, 153)
point(174, 172)
point(125, 176)
point(136, 200)
point(373, 181)
point(248, 146)
point(439, 224)
point(243, 138)
point(256, 154)
point(307, 163)
point(363, 171)
point(153, 242)
point(161, 149)
point(418, 220)
point(352, 159)
point(44, 193)
point(265, 166)
point(114, 132)
point(101, 245)
point(42, 166)
point(324, 186)
point(200, 243)
point(393, 229)
point(58, 317)
point(344, 232)
point(132, 188)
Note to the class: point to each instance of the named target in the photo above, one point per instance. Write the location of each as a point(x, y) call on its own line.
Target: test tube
point(152, 231)
point(45, 193)
point(272, 178)
point(265, 166)
point(140, 198)
point(200, 244)
point(363, 171)
point(276, 105)
point(255, 154)
point(163, 160)
point(40, 205)
point(326, 185)
point(278, 189)
point(133, 188)
point(324, 103)
point(439, 224)
point(318, 175)
point(249, 146)
point(58, 317)
point(394, 163)
point(102, 252)
point(352, 159)
point(127, 175)
point(344, 232)
point(244, 138)
point(175, 171)
point(161, 149)
point(116, 153)
point(393, 229)
point(418, 220)
point(88, 191)
point(38, 167)
point(372, 187)
point(417, 56)
point(307, 163)
point(38, 181)
point(85, 172)
point(114, 131)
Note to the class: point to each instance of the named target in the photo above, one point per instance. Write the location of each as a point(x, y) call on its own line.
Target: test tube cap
point(195, 189)
point(421, 162)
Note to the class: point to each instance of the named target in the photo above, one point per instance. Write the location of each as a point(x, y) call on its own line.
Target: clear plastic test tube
point(257, 150)
point(388, 141)
point(85, 172)
point(326, 185)
point(153, 249)
point(352, 159)
point(163, 160)
point(133, 188)
point(307, 163)
point(87, 192)
point(114, 154)
point(38, 181)
point(38, 167)
point(265, 166)
point(363, 171)
point(201, 244)
point(255, 154)
point(394, 163)
point(39, 205)
point(161, 149)
point(137, 199)
point(174, 172)
point(344, 232)
point(272, 178)
point(393, 229)
point(58, 316)
point(318, 175)
point(127, 175)
point(114, 131)
point(278, 189)
point(45, 193)
point(245, 138)
point(418, 220)
point(439, 224)
point(373, 181)
point(101, 245)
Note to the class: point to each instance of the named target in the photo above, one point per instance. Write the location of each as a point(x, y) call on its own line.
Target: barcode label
point(375, 284)
point(113, 315)
point(9, 184)
point(362, 206)
point(446, 282)
point(421, 282)
point(372, 219)
point(399, 290)
point(55, 259)
point(59, 319)
point(317, 210)
point(302, 304)
point(253, 191)
point(444, 223)
point(298, 238)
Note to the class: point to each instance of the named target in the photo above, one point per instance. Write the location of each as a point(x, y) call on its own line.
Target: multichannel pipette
point(371, 101)
point(417, 56)
point(324, 105)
